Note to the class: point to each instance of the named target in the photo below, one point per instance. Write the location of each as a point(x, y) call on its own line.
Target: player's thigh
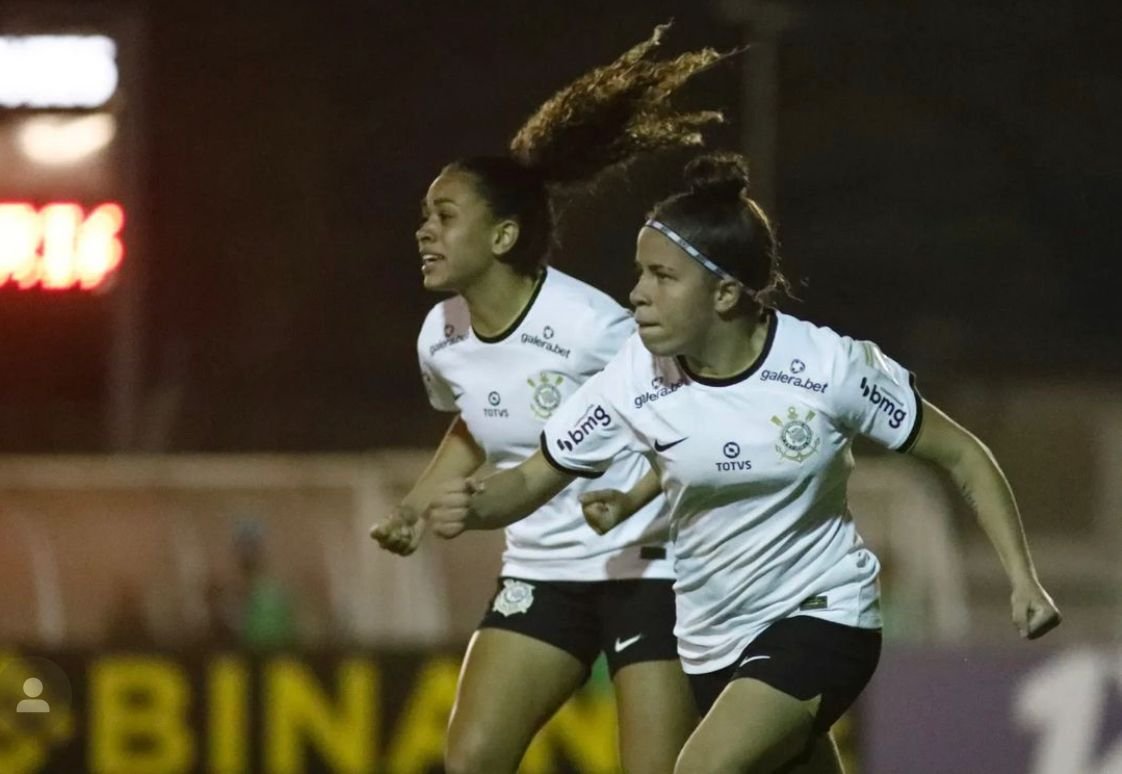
point(823, 758)
point(510, 685)
point(656, 715)
point(751, 728)
point(655, 707)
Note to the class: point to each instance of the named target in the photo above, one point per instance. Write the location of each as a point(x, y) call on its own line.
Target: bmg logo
point(896, 414)
point(595, 417)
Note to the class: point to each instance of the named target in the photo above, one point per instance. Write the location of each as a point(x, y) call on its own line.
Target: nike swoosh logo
point(622, 645)
point(750, 659)
point(661, 447)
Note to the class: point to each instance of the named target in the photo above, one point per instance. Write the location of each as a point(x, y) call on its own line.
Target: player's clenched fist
point(399, 533)
point(1034, 612)
point(450, 509)
point(604, 509)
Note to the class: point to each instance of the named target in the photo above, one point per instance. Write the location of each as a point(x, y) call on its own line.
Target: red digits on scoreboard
point(59, 246)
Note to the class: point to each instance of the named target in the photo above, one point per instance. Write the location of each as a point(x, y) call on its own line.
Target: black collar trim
point(725, 381)
point(518, 320)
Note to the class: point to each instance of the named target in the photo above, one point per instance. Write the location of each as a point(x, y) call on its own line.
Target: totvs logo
point(596, 416)
point(884, 402)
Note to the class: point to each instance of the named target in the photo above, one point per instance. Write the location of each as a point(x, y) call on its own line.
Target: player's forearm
point(646, 489)
point(457, 456)
point(986, 490)
point(514, 493)
point(505, 499)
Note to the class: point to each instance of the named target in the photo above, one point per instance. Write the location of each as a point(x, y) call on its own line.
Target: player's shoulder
point(447, 320)
point(795, 333)
point(566, 290)
point(837, 353)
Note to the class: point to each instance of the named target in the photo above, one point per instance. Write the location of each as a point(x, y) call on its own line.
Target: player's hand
point(450, 509)
point(1034, 612)
point(604, 509)
point(399, 533)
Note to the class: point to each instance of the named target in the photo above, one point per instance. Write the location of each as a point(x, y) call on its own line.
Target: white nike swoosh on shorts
point(749, 659)
point(622, 645)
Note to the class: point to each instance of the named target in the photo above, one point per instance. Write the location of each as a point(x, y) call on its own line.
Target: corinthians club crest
point(547, 395)
point(796, 440)
point(516, 597)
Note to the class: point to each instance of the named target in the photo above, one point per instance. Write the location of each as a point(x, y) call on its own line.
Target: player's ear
point(504, 235)
point(727, 295)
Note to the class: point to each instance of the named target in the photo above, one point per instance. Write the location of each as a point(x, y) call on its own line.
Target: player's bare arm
point(977, 475)
point(606, 509)
point(458, 455)
point(496, 501)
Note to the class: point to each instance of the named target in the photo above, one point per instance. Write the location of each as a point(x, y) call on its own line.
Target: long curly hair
point(614, 113)
point(600, 121)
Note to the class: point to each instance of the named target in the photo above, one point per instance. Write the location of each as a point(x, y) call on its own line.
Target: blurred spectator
point(128, 622)
point(254, 610)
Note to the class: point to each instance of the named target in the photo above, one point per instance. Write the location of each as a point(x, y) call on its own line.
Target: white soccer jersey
point(755, 469)
point(506, 387)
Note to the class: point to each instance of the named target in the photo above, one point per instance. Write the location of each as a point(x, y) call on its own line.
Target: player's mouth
point(429, 261)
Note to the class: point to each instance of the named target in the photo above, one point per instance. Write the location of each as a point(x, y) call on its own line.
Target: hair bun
point(721, 174)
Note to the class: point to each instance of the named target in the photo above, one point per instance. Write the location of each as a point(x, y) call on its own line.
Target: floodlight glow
point(57, 71)
point(60, 141)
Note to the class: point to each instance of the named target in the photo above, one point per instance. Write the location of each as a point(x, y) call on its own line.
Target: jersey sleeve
point(440, 394)
point(586, 432)
point(876, 396)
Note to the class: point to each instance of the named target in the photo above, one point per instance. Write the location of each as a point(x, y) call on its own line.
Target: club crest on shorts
point(796, 438)
point(547, 395)
point(516, 597)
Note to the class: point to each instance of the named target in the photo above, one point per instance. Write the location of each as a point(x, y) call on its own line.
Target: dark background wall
point(946, 185)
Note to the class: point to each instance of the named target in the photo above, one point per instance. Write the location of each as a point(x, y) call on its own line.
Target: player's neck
point(731, 347)
point(498, 299)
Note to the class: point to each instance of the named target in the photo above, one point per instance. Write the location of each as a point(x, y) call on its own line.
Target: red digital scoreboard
point(68, 150)
point(61, 245)
point(72, 333)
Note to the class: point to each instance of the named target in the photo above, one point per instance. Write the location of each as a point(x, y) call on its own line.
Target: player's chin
point(438, 281)
point(656, 341)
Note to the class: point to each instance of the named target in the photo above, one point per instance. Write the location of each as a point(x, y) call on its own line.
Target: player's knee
point(653, 759)
point(465, 760)
point(472, 754)
point(695, 759)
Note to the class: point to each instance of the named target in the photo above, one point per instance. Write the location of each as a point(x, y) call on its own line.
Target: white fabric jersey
point(755, 468)
point(507, 386)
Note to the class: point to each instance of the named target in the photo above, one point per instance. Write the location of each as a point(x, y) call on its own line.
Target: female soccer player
point(504, 352)
point(750, 414)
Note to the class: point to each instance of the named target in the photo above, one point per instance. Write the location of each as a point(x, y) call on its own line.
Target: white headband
point(689, 249)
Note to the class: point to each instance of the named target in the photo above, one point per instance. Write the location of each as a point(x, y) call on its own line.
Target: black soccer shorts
point(628, 620)
point(803, 657)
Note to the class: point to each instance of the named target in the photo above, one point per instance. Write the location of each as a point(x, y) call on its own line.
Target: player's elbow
point(969, 459)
